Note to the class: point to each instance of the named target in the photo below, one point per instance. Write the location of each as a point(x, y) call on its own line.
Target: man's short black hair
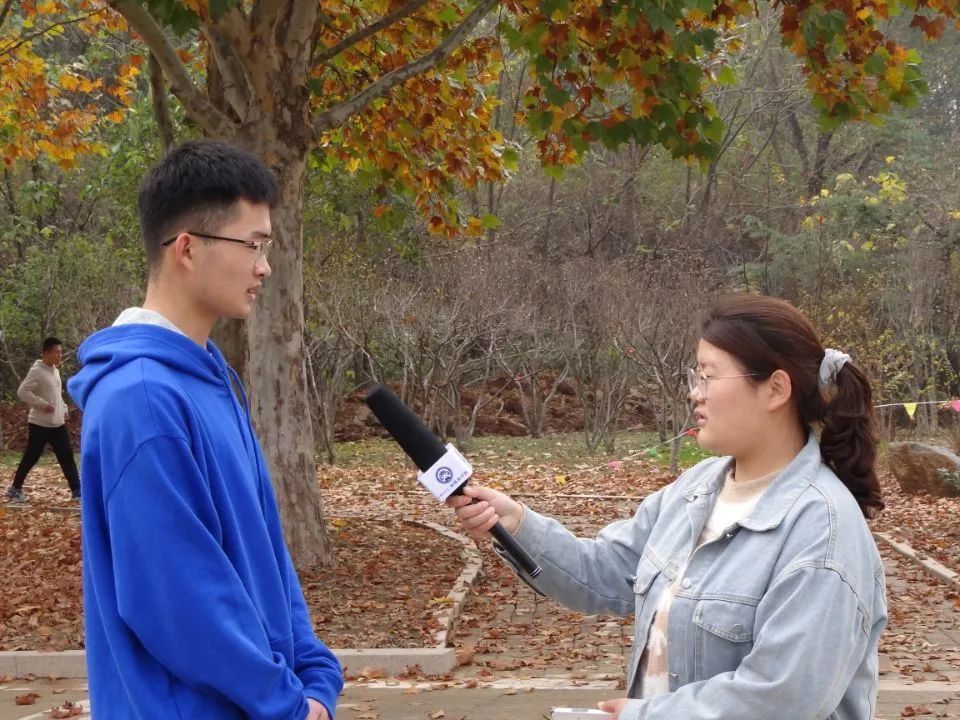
point(50, 342)
point(195, 187)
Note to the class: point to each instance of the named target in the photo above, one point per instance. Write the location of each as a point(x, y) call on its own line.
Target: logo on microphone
point(444, 475)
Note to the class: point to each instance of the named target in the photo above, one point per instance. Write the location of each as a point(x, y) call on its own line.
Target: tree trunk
point(160, 104)
point(231, 336)
point(280, 397)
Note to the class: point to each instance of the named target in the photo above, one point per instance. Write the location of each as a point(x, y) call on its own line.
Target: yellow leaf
point(894, 76)
point(71, 83)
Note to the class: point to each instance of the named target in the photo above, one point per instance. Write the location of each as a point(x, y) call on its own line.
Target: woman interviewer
point(756, 586)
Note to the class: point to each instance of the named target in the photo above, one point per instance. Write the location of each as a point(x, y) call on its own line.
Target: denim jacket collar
point(772, 506)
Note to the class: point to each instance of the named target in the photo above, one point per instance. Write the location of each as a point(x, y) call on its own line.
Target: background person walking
point(42, 390)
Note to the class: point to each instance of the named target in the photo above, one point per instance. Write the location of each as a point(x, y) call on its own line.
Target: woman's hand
point(613, 706)
point(491, 507)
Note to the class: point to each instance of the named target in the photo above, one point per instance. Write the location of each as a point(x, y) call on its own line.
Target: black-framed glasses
point(697, 380)
point(261, 246)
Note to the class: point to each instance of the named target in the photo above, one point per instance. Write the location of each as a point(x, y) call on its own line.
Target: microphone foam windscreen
point(415, 438)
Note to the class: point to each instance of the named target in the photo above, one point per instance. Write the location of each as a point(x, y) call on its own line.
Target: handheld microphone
point(443, 470)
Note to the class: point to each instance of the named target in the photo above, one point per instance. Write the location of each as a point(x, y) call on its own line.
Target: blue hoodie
point(192, 606)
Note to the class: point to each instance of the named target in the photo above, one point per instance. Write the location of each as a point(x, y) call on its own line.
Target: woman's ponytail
point(848, 443)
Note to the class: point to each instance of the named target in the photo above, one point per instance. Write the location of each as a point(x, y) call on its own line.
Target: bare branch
point(197, 105)
point(336, 116)
point(6, 50)
point(371, 29)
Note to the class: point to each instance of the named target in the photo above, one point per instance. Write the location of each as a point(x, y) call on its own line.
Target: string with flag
point(911, 407)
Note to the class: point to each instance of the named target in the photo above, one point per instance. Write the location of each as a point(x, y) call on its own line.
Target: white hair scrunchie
point(832, 361)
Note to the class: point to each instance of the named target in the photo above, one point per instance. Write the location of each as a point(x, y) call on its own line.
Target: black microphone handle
point(509, 545)
point(513, 549)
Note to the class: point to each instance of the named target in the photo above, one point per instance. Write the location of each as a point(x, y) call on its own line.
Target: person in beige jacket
point(42, 390)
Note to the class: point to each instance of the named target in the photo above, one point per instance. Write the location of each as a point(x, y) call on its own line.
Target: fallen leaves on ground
point(388, 584)
point(27, 699)
point(67, 710)
point(391, 579)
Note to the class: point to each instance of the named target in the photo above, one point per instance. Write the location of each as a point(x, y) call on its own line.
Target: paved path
point(423, 701)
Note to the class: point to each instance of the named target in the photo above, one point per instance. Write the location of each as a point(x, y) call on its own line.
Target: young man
point(192, 606)
point(42, 390)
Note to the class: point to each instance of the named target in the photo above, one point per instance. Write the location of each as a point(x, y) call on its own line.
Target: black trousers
point(37, 439)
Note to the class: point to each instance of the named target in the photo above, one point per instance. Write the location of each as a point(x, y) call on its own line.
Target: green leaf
point(727, 76)
point(876, 64)
point(491, 222)
point(556, 95)
point(448, 15)
point(511, 159)
point(713, 130)
point(554, 171)
point(659, 20)
point(539, 122)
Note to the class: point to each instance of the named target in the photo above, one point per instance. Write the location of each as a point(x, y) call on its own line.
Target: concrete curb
point(392, 662)
point(23, 507)
point(941, 572)
point(472, 564)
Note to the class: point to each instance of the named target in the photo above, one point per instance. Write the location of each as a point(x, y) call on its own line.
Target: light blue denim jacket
point(779, 617)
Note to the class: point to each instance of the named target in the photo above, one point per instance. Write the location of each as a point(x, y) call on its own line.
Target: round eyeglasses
point(697, 380)
point(262, 247)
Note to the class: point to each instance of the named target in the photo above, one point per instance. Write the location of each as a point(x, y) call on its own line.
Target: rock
point(917, 468)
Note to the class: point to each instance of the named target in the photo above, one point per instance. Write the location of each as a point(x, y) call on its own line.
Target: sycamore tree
point(403, 92)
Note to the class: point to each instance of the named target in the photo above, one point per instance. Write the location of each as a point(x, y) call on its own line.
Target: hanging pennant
point(911, 409)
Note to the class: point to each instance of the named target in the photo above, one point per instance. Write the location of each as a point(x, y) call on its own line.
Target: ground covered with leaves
point(384, 590)
point(391, 578)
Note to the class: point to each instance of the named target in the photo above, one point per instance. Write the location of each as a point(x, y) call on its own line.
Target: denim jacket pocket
point(724, 635)
point(647, 573)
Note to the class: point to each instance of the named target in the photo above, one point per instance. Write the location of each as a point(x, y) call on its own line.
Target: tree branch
point(297, 45)
point(338, 114)
point(5, 11)
point(263, 19)
point(365, 32)
point(161, 108)
point(223, 38)
point(197, 105)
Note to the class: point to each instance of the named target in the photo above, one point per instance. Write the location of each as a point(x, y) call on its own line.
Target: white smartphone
point(565, 713)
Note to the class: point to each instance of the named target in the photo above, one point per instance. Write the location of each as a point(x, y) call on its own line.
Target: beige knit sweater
point(40, 388)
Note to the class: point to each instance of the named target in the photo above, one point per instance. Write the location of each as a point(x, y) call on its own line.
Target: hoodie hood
point(107, 350)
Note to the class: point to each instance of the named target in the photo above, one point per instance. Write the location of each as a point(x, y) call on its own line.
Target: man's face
point(53, 356)
point(230, 275)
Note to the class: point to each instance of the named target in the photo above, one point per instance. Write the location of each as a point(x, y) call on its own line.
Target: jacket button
point(686, 583)
point(737, 628)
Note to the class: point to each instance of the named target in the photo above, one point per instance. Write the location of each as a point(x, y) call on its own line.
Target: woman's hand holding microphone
point(490, 507)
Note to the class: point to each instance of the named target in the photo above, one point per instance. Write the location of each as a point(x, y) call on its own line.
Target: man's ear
point(780, 389)
point(183, 250)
